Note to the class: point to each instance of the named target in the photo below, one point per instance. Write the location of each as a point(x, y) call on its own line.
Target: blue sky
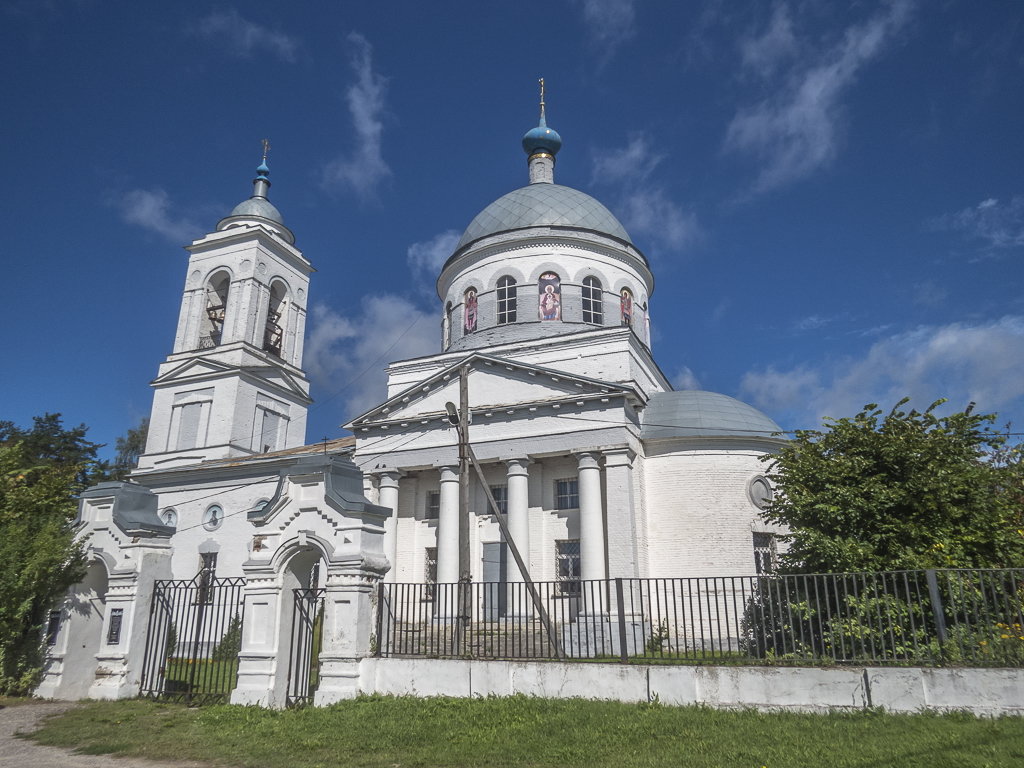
point(831, 194)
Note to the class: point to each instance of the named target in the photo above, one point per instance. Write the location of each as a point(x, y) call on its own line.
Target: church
point(600, 469)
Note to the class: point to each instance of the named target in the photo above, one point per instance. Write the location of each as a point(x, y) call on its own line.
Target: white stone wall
point(986, 692)
point(700, 517)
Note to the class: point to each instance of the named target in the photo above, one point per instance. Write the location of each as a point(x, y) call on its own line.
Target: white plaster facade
point(605, 472)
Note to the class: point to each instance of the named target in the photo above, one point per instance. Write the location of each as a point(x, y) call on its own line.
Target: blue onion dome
point(542, 139)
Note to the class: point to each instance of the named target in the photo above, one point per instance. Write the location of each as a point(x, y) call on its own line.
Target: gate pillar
point(122, 535)
point(258, 660)
point(349, 625)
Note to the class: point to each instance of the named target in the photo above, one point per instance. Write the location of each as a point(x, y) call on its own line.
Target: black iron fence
point(933, 617)
point(193, 639)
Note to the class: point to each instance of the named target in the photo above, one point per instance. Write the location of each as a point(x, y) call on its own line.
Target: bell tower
point(233, 384)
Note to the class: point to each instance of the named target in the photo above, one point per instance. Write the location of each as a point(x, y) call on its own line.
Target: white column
point(448, 528)
point(387, 485)
point(518, 479)
point(592, 562)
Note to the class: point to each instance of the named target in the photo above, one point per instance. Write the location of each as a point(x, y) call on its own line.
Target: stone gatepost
point(99, 645)
point(350, 612)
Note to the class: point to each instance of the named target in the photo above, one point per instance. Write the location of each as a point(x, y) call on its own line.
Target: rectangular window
point(765, 555)
point(500, 494)
point(270, 431)
point(432, 511)
point(430, 572)
point(114, 630)
point(207, 573)
point(52, 627)
point(567, 566)
point(567, 493)
point(189, 417)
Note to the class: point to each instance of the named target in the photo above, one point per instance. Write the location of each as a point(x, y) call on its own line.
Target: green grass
point(519, 731)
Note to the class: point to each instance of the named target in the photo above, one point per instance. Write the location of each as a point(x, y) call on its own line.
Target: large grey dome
point(543, 205)
point(258, 206)
point(693, 413)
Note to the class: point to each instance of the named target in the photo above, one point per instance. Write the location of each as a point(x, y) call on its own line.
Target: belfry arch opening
point(215, 310)
point(273, 332)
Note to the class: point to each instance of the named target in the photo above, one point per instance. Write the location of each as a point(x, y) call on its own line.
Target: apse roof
point(694, 413)
point(543, 205)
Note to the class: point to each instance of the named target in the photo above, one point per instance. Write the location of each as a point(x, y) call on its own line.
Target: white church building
point(601, 469)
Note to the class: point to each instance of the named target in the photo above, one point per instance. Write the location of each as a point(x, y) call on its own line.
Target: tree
point(129, 448)
point(41, 471)
point(903, 490)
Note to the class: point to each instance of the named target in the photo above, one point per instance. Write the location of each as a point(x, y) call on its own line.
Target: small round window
point(213, 517)
point(169, 517)
point(761, 492)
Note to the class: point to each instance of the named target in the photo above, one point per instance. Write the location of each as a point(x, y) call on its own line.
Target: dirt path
point(22, 753)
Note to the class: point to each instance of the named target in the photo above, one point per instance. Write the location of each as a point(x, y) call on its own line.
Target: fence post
point(380, 619)
point(623, 652)
point(937, 609)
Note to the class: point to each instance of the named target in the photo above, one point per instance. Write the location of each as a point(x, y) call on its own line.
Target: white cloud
point(346, 355)
point(1000, 225)
point(644, 206)
point(631, 164)
point(426, 258)
point(609, 23)
point(983, 363)
point(685, 379)
point(797, 131)
point(764, 53)
point(150, 209)
point(244, 38)
point(363, 169)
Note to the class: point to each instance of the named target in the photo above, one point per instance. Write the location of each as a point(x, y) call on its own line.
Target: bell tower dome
point(233, 384)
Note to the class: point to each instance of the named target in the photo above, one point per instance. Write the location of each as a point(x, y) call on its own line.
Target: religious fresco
point(626, 306)
point(469, 311)
point(549, 289)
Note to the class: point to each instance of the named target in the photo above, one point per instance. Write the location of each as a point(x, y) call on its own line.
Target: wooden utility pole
point(465, 608)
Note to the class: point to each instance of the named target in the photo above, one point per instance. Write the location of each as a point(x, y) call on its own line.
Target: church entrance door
point(495, 570)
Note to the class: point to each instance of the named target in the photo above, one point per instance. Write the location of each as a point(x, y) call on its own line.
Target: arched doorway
point(302, 593)
point(81, 635)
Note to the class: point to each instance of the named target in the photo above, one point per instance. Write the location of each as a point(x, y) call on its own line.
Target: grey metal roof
point(543, 205)
point(694, 413)
point(258, 206)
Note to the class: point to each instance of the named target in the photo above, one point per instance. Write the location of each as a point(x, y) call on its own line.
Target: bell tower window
point(215, 311)
point(273, 333)
point(593, 305)
point(506, 300)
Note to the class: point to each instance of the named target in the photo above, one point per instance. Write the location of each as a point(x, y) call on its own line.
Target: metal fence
point(193, 639)
point(933, 617)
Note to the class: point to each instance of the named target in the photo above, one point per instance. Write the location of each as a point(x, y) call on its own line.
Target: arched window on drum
point(593, 301)
point(470, 310)
point(549, 298)
point(626, 307)
point(506, 300)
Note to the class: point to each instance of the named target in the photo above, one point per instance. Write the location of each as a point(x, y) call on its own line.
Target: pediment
point(493, 383)
point(196, 368)
point(202, 368)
